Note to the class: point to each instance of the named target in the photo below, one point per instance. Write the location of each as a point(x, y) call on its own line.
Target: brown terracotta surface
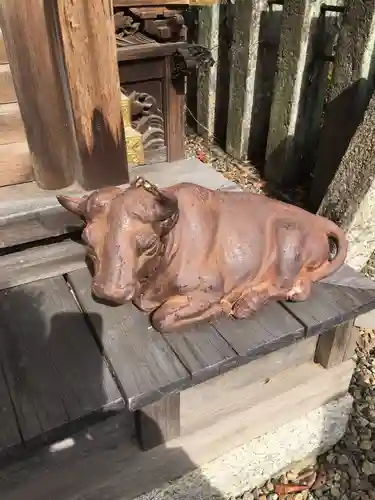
point(186, 254)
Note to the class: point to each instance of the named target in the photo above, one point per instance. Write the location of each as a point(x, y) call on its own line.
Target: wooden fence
point(290, 85)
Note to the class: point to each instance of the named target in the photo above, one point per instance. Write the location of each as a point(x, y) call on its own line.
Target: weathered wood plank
point(36, 63)
point(9, 435)
point(3, 54)
point(11, 124)
point(29, 213)
point(337, 345)
point(94, 87)
point(145, 365)
point(41, 262)
point(272, 328)
point(53, 367)
point(203, 351)
point(7, 91)
point(283, 138)
point(334, 301)
point(15, 164)
point(244, 53)
point(208, 36)
point(159, 422)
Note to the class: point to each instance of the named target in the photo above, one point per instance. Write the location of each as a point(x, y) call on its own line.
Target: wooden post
point(208, 35)
point(337, 345)
point(244, 55)
point(282, 144)
point(36, 70)
point(348, 95)
point(174, 92)
point(158, 422)
point(89, 51)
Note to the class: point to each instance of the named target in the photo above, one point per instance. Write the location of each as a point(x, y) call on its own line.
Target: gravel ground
point(347, 472)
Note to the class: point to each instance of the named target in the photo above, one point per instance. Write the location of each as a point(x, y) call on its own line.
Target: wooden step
point(3, 54)
point(11, 124)
point(15, 164)
point(7, 92)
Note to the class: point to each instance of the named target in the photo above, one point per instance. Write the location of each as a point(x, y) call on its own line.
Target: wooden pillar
point(159, 422)
point(348, 94)
point(282, 154)
point(244, 55)
point(89, 51)
point(208, 35)
point(36, 71)
point(337, 345)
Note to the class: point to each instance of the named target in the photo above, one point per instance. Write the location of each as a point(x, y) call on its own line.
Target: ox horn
point(148, 186)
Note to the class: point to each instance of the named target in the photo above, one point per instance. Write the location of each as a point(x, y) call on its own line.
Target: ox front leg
point(184, 310)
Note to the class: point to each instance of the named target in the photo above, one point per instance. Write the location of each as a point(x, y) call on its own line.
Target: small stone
point(299, 496)
point(365, 445)
point(343, 460)
point(368, 468)
point(262, 497)
point(272, 496)
point(335, 492)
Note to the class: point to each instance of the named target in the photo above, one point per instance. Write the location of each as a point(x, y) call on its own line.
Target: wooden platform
point(70, 366)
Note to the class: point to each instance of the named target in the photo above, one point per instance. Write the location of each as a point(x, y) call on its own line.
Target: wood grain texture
point(15, 164)
point(145, 365)
point(272, 328)
point(203, 404)
point(337, 345)
point(3, 54)
point(203, 351)
point(174, 114)
point(109, 464)
point(11, 124)
point(146, 51)
point(36, 69)
point(94, 87)
point(7, 91)
point(159, 422)
point(53, 367)
point(29, 213)
point(335, 300)
point(9, 435)
point(41, 262)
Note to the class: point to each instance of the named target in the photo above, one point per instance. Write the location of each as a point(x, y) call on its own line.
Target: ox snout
point(114, 294)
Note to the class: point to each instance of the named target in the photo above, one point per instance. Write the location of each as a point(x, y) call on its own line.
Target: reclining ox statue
point(186, 253)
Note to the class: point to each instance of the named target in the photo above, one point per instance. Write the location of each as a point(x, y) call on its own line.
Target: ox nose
point(117, 295)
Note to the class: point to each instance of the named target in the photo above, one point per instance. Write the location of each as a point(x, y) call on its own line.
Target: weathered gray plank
point(9, 434)
point(53, 367)
point(272, 328)
point(41, 262)
point(144, 363)
point(338, 299)
point(203, 351)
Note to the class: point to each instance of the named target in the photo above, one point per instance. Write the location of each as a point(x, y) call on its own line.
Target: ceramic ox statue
point(186, 254)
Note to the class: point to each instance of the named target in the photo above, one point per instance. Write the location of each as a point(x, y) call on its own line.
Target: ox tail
point(338, 248)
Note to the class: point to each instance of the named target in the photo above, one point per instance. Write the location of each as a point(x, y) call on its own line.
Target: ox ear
point(73, 204)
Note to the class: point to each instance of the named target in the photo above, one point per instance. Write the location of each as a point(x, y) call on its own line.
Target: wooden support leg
point(174, 105)
point(336, 345)
point(159, 422)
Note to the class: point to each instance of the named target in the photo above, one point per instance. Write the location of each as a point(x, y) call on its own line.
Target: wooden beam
point(89, 51)
point(159, 422)
point(337, 345)
point(37, 80)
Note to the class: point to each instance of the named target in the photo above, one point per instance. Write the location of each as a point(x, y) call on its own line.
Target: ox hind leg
point(291, 280)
